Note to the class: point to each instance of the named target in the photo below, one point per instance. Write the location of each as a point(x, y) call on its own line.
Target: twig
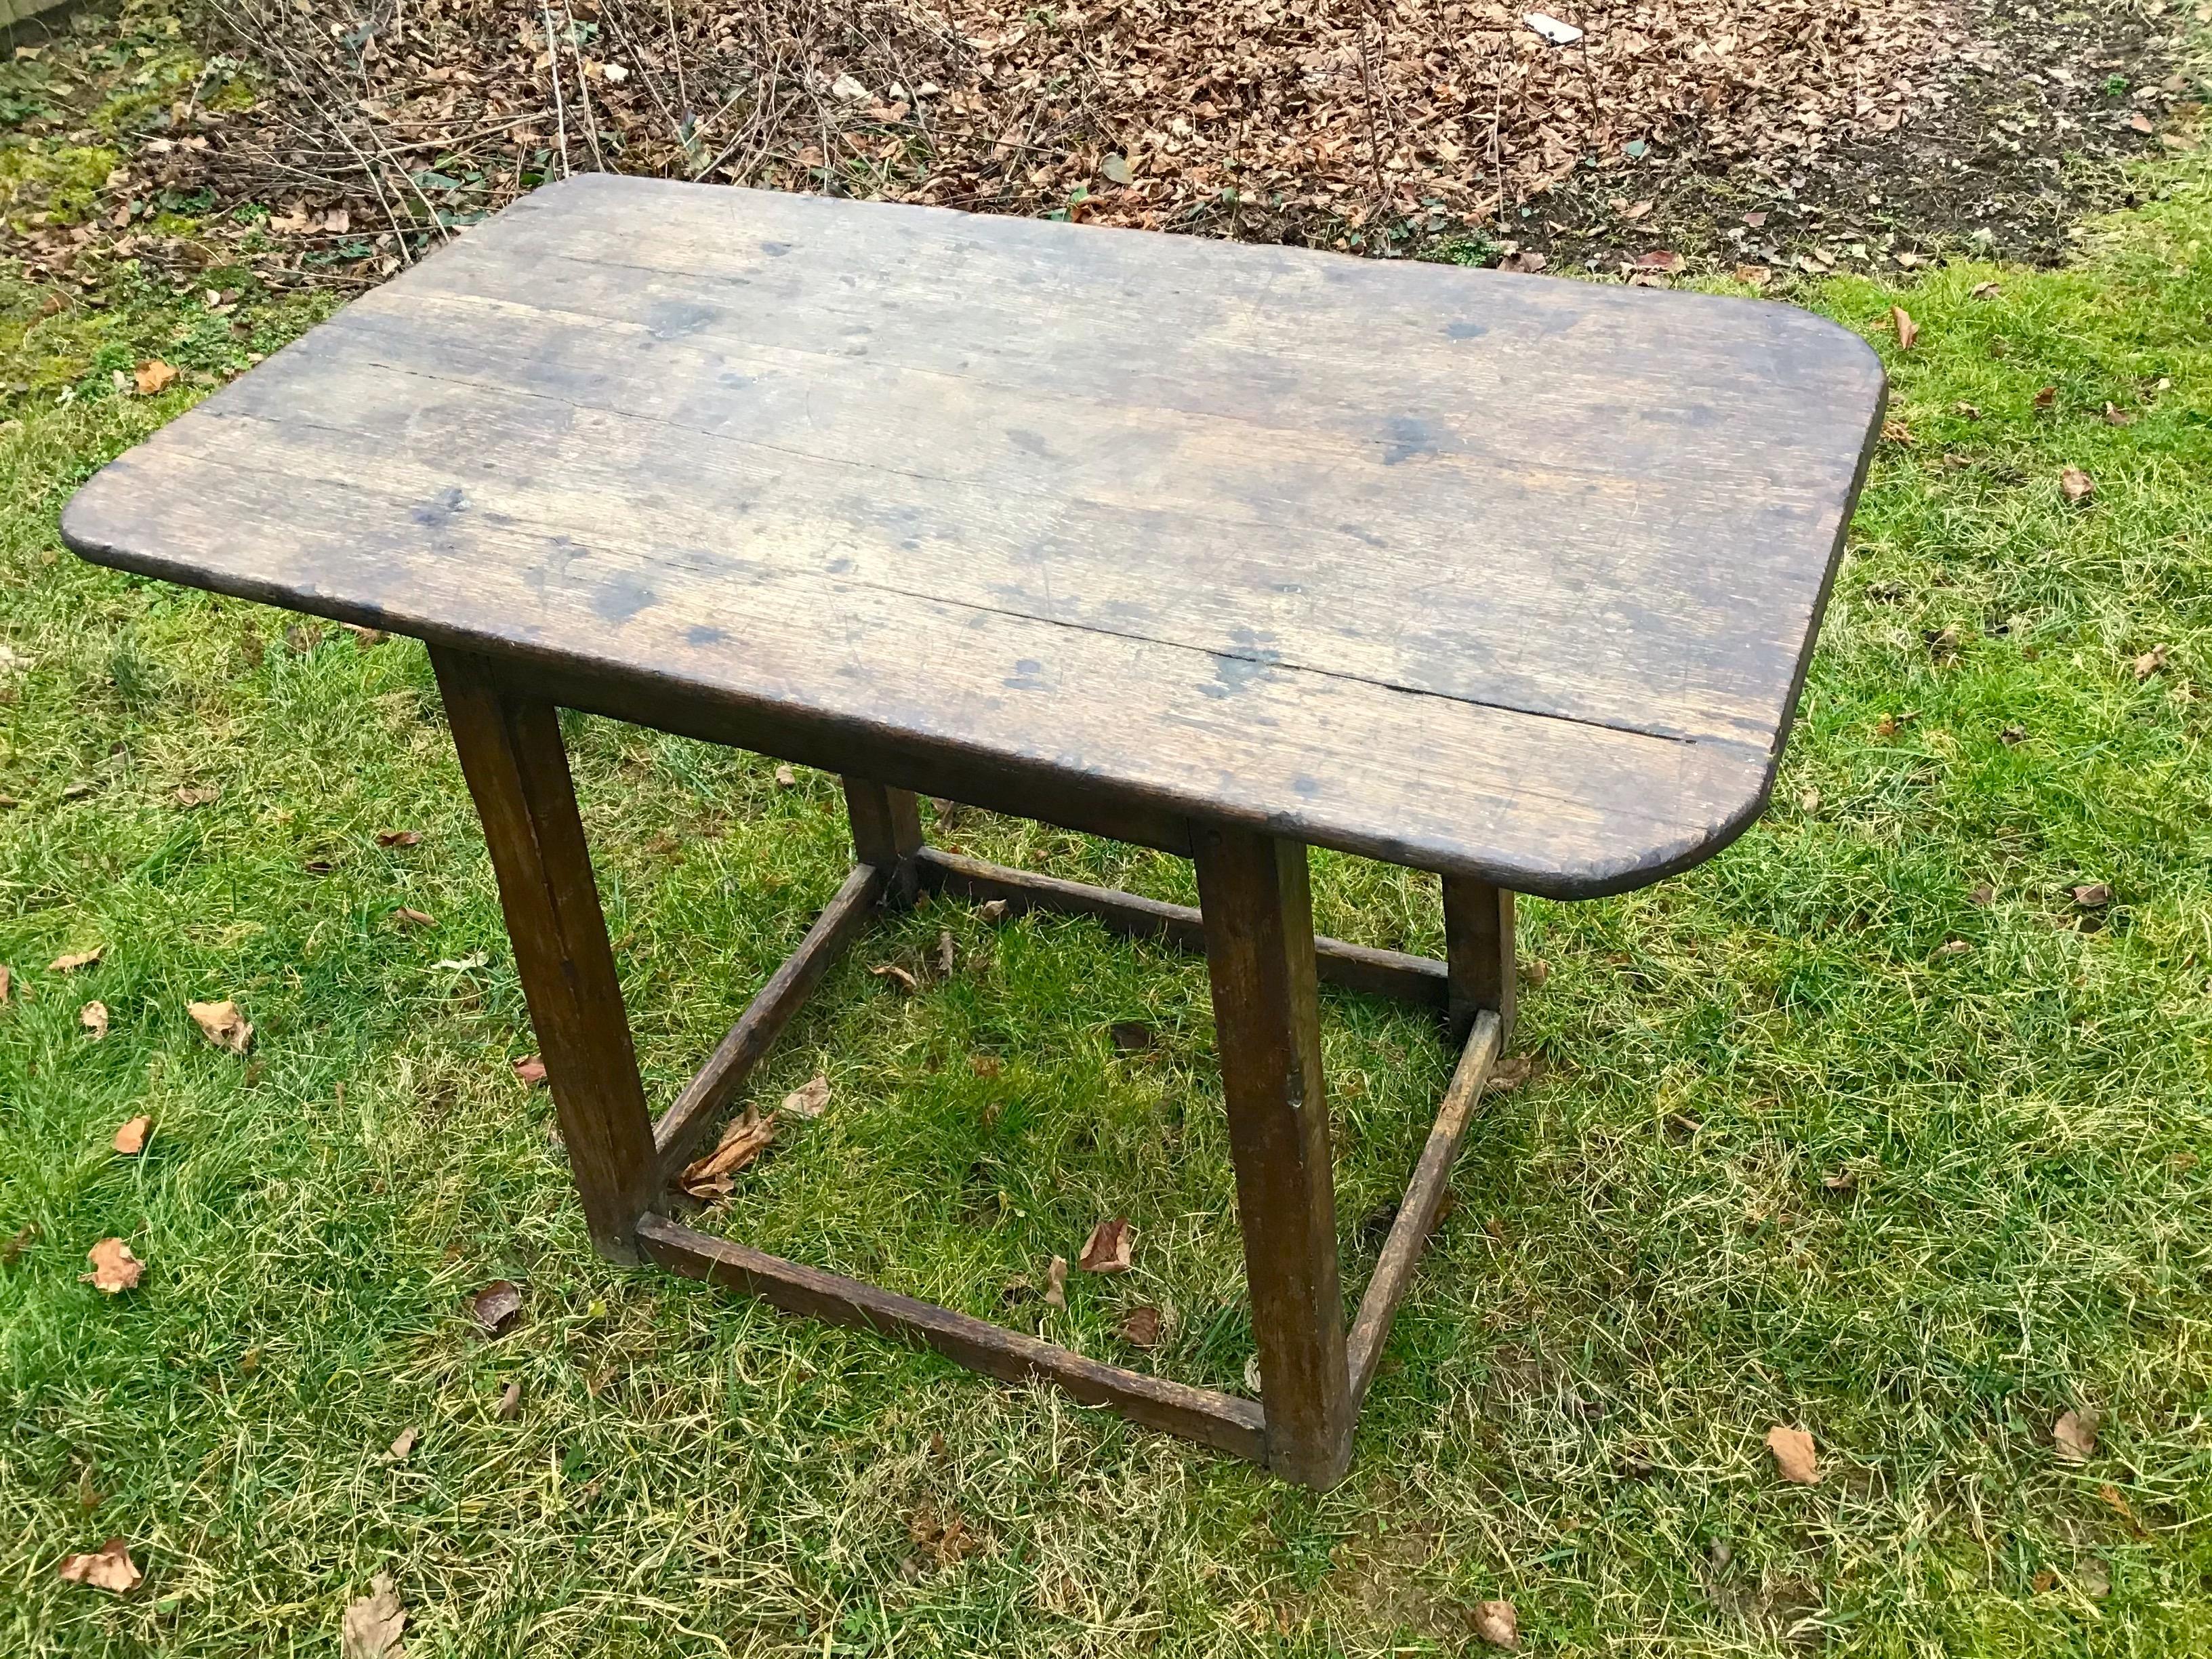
point(584, 91)
point(553, 68)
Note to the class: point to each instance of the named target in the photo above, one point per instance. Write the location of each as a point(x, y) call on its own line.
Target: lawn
point(1889, 1123)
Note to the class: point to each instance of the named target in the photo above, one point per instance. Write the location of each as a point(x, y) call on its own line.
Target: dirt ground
point(1757, 137)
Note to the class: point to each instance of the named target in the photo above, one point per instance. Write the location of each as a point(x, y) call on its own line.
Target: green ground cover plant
point(1891, 1123)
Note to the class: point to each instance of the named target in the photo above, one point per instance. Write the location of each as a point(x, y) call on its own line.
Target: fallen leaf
point(1510, 1072)
point(70, 964)
point(2115, 416)
point(1662, 259)
point(510, 1403)
point(409, 918)
point(222, 1024)
point(1131, 1035)
point(1792, 1450)
point(2077, 485)
point(398, 837)
point(1499, 1624)
point(1972, 411)
point(402, 1444)
point(114, 1269)
point(993, 909)
point(1943, 645)
point(1981, 893)
point(373, 1623)
point(2150, 662)
point(130, 1139)
point(1756, 218)
point(1984, 290)
point(2116, 1502)
point(2138, 122)
point(1107, 1249)
point(810, 1100)
point(1116, 169)
point(1141, 1329)
point(944, 953)
point(94, 1018)
point(494, 1306)
point(365, 636)
point(2012, 735)
point(2074, 1437)
point(1908, 331)
point(192, 795)
point(1754, 276)
point(1894, 430)
point(530, 1071)
point(2093, 895)
point(1954, 947)
point(1527, 261)
point(109, 1568)
point(985, 1065)
point(2095, 1582)
point(154, 375)
point(785, 778)
point(12, 1251)
point(900, 977)
point(1056, 1283)
point(7, 978)
point(746, 1138)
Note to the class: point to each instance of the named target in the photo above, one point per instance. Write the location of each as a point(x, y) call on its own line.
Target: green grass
point(1790, 1159)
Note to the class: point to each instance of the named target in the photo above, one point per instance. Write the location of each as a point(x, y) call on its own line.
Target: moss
point(62, 181)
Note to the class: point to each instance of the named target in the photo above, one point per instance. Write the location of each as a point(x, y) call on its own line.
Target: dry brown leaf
point(2150, 662)
point(2074, 1437)
point(398, 837)
point(1499, 1624)
point(373, 1623)
point(222, 1024)
point(993, 909)
point(1908, 331)
point(1141, 1327)
point(1894, 430)
point(402, 1444)
point(945, 954)
point(1108, 1250)
point(154, 375)
point(744, 1139)
point(810, 1099)
point(899, 977)
point(94, 1018)
point(2093, 895)
point(2116, 1500)
point(2077, 485)
point(2115, 416)
point(785, 778)
point(1794, 1460)
point(1663, 260)
point(1130, 1036)
point(7, 978)
point(1056, 1283)
point(70, 964)
point(1755, 276)
point(130, 1139)
point(411, 918)
point(510, 1403)
point(530, 1071)
point(192, 795)
point(1985, 290)
point(109, 1568)
point(114, 1269)
point(495, 1306)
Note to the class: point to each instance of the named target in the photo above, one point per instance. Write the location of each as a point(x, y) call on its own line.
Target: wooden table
point(1217, 549)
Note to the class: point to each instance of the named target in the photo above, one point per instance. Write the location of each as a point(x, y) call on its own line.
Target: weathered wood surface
point(1258, 904)
point(1423, 1203)
point(1224, 1421)
point(1506, 577)
point(517, 768)
point(1363, 968)
point(677, 1134)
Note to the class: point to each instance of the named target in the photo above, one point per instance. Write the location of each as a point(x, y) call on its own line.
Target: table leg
point(1258, 912)
point(517, 769)
point(1479, 955)
point(887, 833)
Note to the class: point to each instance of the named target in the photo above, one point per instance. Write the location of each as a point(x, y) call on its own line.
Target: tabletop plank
point(1494, 575)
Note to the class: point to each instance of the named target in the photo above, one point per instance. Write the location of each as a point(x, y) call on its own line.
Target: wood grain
point(1220, 1420)
point(1259, 958)
point(704, 1098)
point(1275, 554)
point(1422, 1205)
point(517, 769)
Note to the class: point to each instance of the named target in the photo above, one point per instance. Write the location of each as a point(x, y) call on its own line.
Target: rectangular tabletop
point(1493, 575)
